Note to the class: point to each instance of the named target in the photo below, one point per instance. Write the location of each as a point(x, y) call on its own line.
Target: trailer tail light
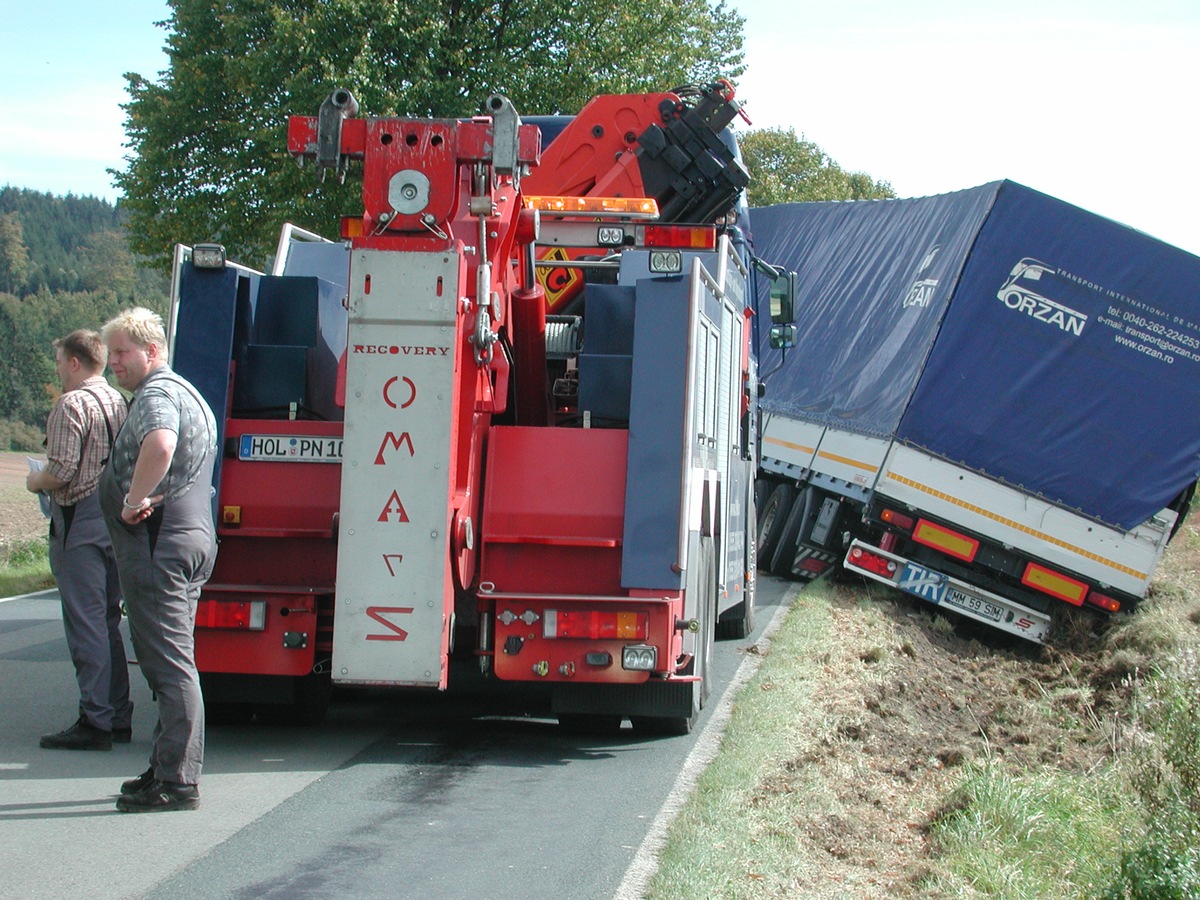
point(1105, 602)
point(639, 658)
point(873, 562)
point(1054, 583)
point(245, 615)
point(687, 237)
point(899, 519)
point(946, 540)
point(595, 625)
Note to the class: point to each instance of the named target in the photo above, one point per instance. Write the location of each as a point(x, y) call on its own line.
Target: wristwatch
point(125, 502)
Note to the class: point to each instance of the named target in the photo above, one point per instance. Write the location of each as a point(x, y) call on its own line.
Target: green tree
point(786, 168)
point(14, 255)
point(207, 143)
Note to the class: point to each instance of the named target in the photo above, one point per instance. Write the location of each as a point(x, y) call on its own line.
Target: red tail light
point(873, 562)
point(595, 625)
point(899, 519)
point(813, 565)
point(1111, 604)
point(247, 615)
point(694, 237)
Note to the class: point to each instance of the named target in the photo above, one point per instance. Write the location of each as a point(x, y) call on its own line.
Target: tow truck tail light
point(245, 615)
point(873, 562)
point(899, 519)
point(946, 540)
point(1054, 583)
point(687, 237)
point(595, 625)
point(1111, 604)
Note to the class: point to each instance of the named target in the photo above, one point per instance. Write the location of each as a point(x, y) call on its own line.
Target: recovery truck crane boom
point(421, 462)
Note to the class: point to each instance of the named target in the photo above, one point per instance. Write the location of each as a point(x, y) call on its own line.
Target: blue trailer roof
point(1002, 329)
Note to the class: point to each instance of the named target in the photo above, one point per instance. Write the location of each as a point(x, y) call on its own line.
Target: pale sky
point(1090, 101)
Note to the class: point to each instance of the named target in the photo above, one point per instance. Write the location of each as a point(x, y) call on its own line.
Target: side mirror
point(783, 337)
point(783, 300)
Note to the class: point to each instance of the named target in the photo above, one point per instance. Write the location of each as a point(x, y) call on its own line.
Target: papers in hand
point(36, 465)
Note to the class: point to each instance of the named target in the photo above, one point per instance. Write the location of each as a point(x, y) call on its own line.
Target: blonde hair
point(143, 326)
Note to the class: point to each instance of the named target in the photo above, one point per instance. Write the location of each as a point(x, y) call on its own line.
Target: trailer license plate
point(976, 606)
point(289, 448)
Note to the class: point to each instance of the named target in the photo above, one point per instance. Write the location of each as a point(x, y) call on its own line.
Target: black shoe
point(81, 736)
point(160, 796)
point(143, 781)
point(122, 735)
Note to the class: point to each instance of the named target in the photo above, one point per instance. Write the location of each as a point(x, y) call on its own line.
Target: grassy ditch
point(882, 750)
point(24, 567)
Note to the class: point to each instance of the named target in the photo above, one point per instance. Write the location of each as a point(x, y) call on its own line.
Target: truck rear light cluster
point(639, 658)
point(1054, 583)
point(595, 625)
point(687, 237)
point(947, 540)
point(1105, 602)
point(899, 519)
point(245, 615)
point(873, 562)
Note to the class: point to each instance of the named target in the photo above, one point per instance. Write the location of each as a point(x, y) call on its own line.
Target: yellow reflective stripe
point(1016, 526)
point(789, 445)
point(847, 461)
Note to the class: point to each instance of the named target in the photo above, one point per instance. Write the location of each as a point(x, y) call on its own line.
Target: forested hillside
point(65, 263)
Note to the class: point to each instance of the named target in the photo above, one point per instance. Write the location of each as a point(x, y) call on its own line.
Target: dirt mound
point(913, 698)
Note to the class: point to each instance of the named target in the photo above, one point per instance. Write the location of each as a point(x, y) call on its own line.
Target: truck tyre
point(785, 551)
point(771, 520)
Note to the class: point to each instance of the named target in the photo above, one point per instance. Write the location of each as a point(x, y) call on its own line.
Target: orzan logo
point(1018, 293)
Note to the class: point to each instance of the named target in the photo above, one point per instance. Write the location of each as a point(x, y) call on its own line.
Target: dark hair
point(86, 347)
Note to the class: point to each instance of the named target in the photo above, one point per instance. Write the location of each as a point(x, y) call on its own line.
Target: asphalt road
point(471, 793)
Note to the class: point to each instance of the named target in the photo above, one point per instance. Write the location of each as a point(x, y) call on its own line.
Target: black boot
point(81, 736)
point(160, 796)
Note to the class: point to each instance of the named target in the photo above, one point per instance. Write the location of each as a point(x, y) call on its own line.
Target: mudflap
point(652, 699)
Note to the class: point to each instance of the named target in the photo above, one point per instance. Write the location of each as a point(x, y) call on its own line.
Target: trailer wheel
point(771, 520)
point(784, 556)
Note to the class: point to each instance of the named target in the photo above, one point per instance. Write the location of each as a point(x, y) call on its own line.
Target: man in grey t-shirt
point(156, 495)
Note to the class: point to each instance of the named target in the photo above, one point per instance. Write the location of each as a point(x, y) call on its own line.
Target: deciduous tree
point(786, 168)
point(207, 156)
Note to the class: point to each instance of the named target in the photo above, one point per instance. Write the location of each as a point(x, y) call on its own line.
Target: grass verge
point(734, 839)
point(25, 567)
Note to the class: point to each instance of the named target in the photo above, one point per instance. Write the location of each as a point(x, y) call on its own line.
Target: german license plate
point(976, 606)
point(289, 448)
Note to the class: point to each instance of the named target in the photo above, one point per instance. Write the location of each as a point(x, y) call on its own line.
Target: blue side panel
point(653, 498)
point(1069, 362)
point(874, 279)
point(208, 302)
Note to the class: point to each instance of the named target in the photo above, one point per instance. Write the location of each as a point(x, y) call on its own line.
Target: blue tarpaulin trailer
point(1019, 375)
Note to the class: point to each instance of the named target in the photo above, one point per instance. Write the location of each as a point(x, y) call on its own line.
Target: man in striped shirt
point(79, 436)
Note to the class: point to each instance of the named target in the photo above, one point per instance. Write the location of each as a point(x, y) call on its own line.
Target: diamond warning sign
point(561, 283)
